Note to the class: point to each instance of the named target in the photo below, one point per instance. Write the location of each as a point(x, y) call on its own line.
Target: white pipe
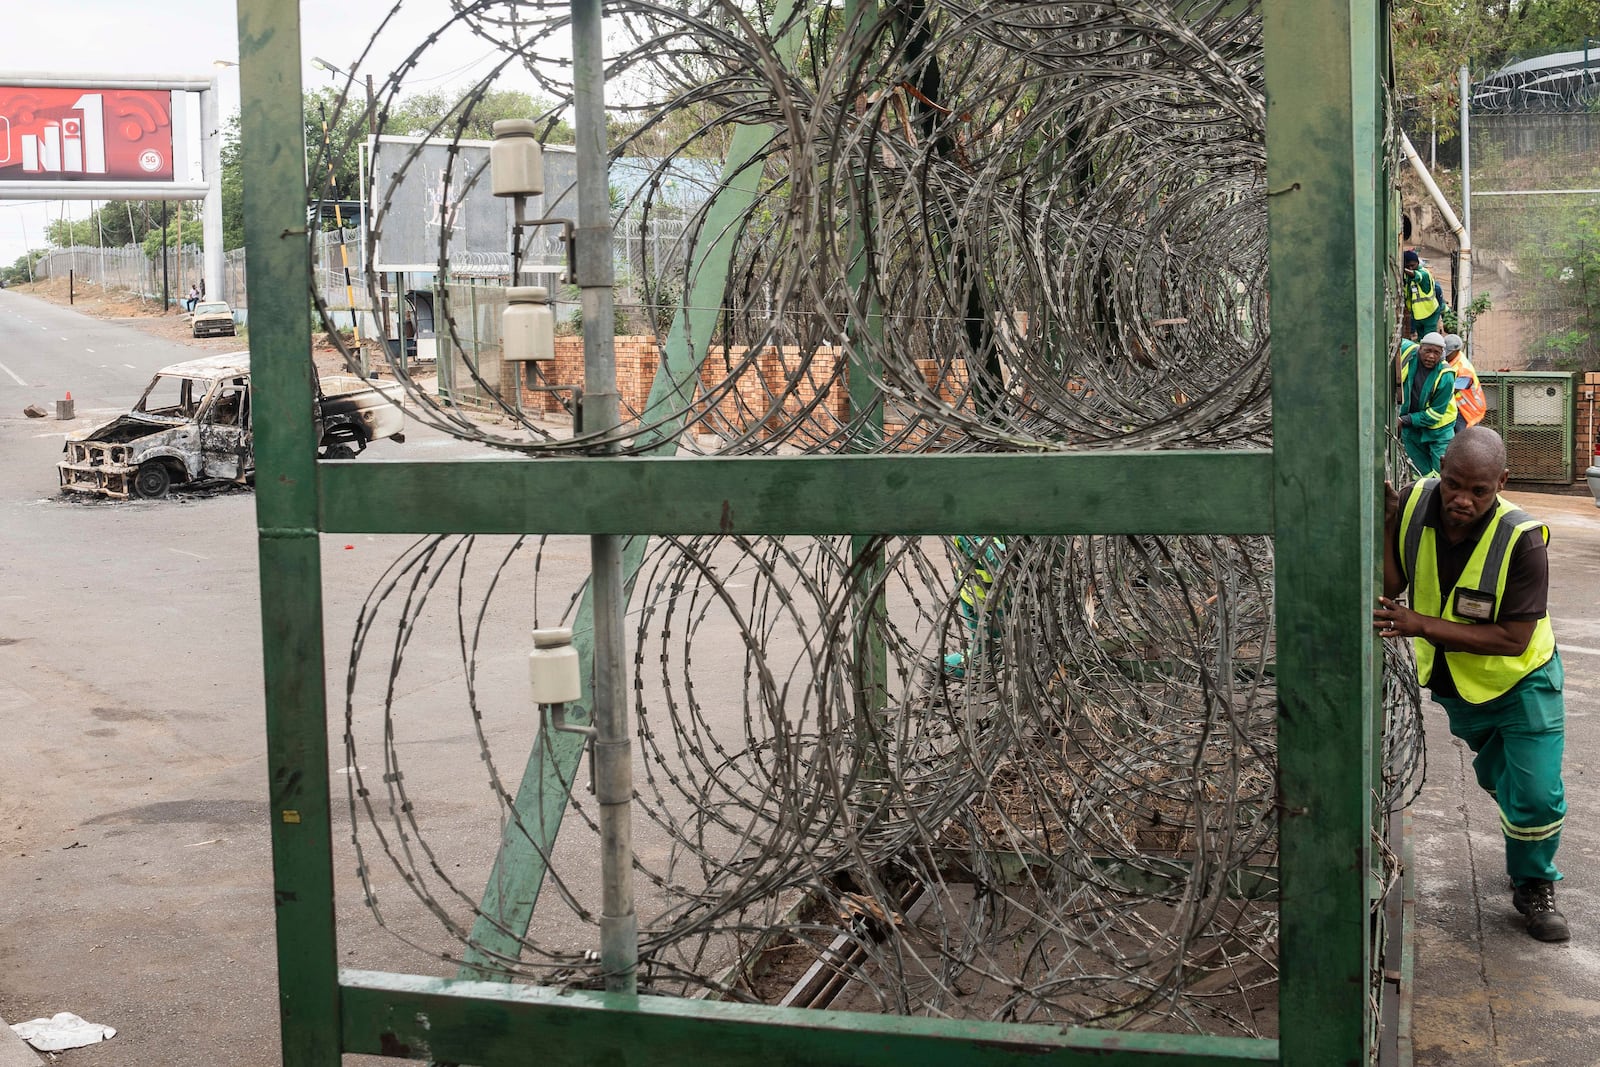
point(1463, 239)
point(1433, 189)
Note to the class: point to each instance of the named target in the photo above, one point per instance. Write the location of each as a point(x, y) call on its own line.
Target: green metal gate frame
point(1316, 492)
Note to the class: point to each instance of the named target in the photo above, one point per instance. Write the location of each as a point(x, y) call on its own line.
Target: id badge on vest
point(1474, 605)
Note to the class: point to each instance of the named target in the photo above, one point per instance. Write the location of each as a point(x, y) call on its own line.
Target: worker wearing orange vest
point(1470, 402)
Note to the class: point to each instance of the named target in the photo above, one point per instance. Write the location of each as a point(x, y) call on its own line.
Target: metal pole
point(166, 286)
point(211, 209)
point(1466, 201)
point(613, 749)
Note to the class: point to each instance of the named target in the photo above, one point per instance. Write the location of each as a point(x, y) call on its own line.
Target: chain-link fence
point(129, 269)
point(1536, 238)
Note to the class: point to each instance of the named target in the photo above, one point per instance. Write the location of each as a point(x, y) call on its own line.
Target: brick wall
point(740, 392)
point(1586, 438)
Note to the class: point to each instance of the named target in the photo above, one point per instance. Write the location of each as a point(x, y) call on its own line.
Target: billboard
point(67, 135)
point(423, 188)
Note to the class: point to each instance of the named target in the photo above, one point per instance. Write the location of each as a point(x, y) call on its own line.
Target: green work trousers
point(1517, 739)
point(1425, 448)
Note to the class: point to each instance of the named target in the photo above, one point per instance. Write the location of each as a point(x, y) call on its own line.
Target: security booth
point(1535, 412)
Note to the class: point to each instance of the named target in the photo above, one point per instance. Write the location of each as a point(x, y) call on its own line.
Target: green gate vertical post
point(277, 242)
point(1323, 169)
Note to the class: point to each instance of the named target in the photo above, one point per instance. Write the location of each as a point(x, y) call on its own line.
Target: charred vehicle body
point(193, 424)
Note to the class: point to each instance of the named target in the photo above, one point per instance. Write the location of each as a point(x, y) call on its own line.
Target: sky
point(186, 37)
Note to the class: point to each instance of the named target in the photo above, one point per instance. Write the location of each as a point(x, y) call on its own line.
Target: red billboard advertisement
point(85, 135)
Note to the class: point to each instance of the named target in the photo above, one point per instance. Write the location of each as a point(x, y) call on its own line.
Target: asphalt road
point(134, 860)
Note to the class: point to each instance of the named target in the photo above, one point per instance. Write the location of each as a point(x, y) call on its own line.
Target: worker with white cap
point(1427, 419)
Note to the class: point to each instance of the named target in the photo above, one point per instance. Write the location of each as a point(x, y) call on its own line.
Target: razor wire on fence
point(993, 775)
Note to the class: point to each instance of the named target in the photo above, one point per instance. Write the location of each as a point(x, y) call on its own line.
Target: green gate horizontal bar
point(1224, 492)
point(490, 1025)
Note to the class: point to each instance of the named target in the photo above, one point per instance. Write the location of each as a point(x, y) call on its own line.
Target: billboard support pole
point(166, 288)
point(211, 212)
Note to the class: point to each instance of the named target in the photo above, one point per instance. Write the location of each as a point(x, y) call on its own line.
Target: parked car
point(194, 424)
point(213, 318)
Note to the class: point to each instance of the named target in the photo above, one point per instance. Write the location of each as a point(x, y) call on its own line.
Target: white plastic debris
point(61, 1031)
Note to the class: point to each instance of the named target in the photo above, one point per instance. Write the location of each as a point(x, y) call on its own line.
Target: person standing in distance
point(1422, 298)
point(1478, 571)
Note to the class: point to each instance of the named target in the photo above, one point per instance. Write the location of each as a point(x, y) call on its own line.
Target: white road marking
point(88, 350)
point(13, 374)
point(1578, 650)
point(130, 366)
point(181, 552)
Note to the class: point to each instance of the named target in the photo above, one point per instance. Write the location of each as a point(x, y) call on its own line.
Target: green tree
point(1574, 266)
point(190, 222)
point(22, 269)
point(64, 233)
point(334, 130)
point(1521, 29)
point(232, 179)
point(1433, 38)
point(448, 114)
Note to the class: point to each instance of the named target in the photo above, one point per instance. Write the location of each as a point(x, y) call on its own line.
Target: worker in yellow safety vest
point(1479, 575)
point(980, 559)
point(1422, 295)
point(1471, 405)
point(1427, 414)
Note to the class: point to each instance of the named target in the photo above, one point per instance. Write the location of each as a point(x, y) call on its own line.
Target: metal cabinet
point(1535, 412)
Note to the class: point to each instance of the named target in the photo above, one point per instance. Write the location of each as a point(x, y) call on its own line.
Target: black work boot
point(1537, 900)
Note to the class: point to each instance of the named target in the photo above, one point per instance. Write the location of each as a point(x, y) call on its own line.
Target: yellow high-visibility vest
point(1423, 301)
point(1478, 679)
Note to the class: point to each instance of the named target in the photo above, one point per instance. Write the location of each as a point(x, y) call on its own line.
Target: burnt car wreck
point(193, 426)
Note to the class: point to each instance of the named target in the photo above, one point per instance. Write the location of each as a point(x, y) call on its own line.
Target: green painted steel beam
point(272, 139)
point(1324, 166)
point(1049, 493)
point(494, 1025)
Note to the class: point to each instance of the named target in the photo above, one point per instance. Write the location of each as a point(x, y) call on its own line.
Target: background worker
point(1479, 575)
point(1427, 403)
point(980, 560)
point(1470, 402)
point(1422, 297)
